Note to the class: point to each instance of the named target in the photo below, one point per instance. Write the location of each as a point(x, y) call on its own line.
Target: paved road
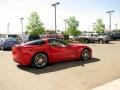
point(75, 75)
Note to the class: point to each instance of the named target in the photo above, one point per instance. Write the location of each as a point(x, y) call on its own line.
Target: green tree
point(35, 26)
point(72, 26)
point(99, 27)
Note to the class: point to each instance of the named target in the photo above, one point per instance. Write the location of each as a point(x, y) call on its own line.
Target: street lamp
point(54, 5)
point(116, 26)
point(22, 25)
point(65, 20)
point(8, 28)
point(94, 26)
point(109, 12)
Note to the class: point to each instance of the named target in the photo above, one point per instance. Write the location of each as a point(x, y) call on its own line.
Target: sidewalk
point(114, 85)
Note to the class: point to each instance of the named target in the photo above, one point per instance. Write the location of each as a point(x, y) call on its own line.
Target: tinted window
point(36, 42)
point(92, 35)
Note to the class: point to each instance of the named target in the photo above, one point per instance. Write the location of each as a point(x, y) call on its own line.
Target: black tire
point(107, 42)
point(39, 60)
point(114, 39)
point(101, 41)
point(85, 55)
point(86, 41)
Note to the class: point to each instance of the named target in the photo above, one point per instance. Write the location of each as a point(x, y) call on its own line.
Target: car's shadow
point(57, 66)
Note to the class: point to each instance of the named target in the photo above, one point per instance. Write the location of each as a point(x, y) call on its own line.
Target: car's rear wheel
point(85, 55)
point(86, 41)
point(39, 60)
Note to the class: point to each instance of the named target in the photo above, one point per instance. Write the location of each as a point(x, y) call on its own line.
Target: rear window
point(36, 42)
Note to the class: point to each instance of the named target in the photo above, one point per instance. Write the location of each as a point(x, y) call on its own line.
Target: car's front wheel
point(85, 55)
point(39, 60)
point(107, 41)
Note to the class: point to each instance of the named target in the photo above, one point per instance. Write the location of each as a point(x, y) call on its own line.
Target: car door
point(96, 37)
point(59, 51)
point(71, 52)
point(92, 37)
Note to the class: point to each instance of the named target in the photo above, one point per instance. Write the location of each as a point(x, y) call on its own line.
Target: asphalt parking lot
point(74, 75)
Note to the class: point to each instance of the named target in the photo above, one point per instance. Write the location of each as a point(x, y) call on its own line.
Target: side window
point(55, 42)
point(96, 35)
point(92, 35)
point(61, 43)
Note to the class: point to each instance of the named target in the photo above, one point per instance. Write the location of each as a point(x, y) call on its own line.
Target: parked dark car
point(7, 43)
point(117, 35)
point(113, 35)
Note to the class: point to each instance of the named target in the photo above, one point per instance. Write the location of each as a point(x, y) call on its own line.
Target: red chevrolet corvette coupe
point(41, 52)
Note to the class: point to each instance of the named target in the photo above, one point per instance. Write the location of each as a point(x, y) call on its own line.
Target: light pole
point(94, 26)
point(109, 12)
point(54, 5)
point(65, 20)
point(8, 28)
point(22, 25)
point(116, 26)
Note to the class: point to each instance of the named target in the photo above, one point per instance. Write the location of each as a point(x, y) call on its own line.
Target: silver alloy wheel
point(85, 54)
point(40, 60)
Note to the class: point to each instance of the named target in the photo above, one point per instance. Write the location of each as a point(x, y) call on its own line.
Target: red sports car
point(41, 52)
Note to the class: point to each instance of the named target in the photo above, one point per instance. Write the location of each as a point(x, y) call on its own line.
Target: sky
point(85, 11)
